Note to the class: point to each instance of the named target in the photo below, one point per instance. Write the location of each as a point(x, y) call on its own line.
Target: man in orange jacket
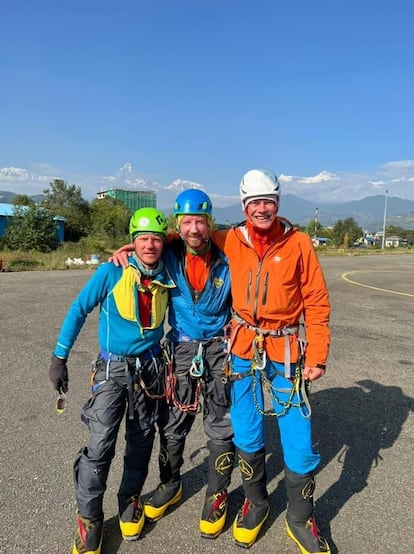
point(277, 286)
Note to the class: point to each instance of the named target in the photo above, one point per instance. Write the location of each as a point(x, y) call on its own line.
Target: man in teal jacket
point(129, 374)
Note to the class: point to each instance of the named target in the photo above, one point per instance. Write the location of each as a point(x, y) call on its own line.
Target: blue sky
point(320, 92)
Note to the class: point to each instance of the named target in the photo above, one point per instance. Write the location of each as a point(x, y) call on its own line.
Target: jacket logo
point(277, 259)
point(217, 282)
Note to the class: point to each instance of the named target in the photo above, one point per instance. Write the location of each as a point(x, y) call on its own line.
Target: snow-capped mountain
point(179, 185)
point(15, 174)
point(302, 197)
point(126, 177)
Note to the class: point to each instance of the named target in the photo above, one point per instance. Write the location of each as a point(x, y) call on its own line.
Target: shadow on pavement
point(351, 425)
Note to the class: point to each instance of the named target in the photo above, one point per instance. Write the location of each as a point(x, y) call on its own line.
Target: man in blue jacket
point(198, 313)
point(129, 375)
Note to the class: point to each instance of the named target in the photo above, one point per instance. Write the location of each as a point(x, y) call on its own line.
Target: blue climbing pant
point(247, 405)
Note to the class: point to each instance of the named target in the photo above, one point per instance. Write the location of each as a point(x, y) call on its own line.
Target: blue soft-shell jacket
point(115, 290)
point(203, 317)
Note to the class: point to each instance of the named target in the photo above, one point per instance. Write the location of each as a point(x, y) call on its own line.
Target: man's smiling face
point(261, 212)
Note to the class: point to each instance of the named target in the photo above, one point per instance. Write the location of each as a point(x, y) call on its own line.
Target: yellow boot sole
point(154, 514)
point(131, 530)
point(245, 538)
point(302, 548)
point(210, 530)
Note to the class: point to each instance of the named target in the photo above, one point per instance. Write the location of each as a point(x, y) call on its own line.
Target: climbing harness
point(298, 394)
point(196, 371)
point(259, 354)
point(133, 375)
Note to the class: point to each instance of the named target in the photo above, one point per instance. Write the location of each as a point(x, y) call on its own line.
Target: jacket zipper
point(256, 291)
point(266, 282)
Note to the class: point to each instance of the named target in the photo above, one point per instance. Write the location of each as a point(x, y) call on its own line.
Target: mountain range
point(367, 212)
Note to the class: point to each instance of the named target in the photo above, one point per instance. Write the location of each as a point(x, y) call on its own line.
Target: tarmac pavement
point(362, 409)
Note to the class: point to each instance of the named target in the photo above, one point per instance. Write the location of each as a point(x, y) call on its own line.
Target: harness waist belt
point(282, 332)
point(146, 355)
point(180, 337)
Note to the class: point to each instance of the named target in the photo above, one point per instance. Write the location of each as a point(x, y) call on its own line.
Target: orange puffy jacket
point(286, 287)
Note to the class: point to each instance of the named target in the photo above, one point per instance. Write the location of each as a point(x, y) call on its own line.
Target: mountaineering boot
point(249, 521)
point(214, 514)
point(132, 519)
point(300, 521)
point(170, 490)
point(220, 467)
point(255, 509)
point(89, 533)
point(165, 495)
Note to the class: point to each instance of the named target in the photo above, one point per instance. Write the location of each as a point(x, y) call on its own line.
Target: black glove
point(58, 373)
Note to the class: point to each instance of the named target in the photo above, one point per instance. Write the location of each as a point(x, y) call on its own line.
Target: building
point(7, 212)
point(391, 241)
point(321, 241)
point(132, 199)
point(395, 242)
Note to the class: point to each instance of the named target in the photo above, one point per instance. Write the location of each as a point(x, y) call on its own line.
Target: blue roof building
point(7, 211)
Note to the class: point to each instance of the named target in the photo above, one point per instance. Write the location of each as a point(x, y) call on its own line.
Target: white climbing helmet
point(259, 183)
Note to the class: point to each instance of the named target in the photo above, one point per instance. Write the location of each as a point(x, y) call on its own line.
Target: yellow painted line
point(346, 278)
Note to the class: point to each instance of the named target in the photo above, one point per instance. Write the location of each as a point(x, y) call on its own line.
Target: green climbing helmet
point(148, 220)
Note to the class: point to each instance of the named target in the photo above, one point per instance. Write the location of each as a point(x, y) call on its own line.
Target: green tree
point(110, 219)
point(31, 228)
point(23, 200)
point(314, 228)
point(346, 232)
point(171, 222)
point(66, 200)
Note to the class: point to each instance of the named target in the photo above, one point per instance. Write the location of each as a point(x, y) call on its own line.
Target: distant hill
point(7, 197)
point(368, 212)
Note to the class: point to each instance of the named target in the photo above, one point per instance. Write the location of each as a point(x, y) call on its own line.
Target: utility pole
point(316, 224)
point(385, 219)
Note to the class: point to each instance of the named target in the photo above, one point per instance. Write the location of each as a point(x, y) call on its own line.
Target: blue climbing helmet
point(192, 202)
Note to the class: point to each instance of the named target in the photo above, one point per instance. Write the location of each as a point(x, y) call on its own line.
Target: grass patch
point(39, 261)
point(46, 261)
